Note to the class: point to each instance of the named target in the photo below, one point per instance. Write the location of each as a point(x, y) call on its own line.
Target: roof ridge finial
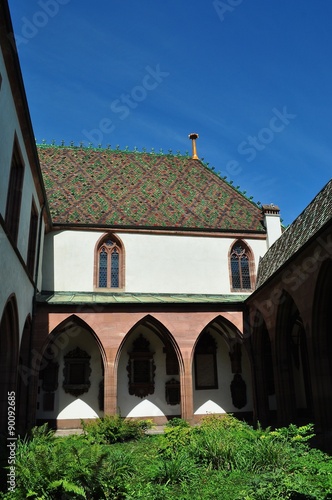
point(193, 137)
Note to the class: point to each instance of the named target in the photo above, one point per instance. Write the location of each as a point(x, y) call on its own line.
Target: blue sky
point(252, 78)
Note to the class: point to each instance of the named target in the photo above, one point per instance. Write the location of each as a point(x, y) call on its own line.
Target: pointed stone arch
point(9, 350)
point(293, 381)
point(217, 358)
point(25, 414)
point(65, 326)
point(322, 346)
point(224, 327)
point(160, 330)
point(263, 373)
point(71, 375)
point(149, 369)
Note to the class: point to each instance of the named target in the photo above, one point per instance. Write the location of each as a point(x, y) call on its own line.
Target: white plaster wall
point(14, 280)
point(39, 261)
point(9, 125)
point(220, 400)
point(273, 228)
point(153, 405)
point(177, 264)
point(13, 277)
point(67, 406)
point(153, 263)
point(68, 260)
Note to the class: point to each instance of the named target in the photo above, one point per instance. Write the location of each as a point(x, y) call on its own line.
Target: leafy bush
point(225, 443)
point(175, 468)
point(174, 464)
point(50, 468)
point(174, 440)
point(226, 421)
point(222, 458)
point(113, 429)
point(177, 422)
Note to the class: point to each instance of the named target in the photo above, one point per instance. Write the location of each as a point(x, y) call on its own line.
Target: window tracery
point(109, 264)
point(240, 264)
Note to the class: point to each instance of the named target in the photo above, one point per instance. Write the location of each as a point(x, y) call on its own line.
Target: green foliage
point(177, 422)
point(50, 468)
point(175, 439)
point(226, 421)
point(295, 435)
point(62, 486)
point(175, 468)
point(175, 464)
point(113, 429)
point(222, 458)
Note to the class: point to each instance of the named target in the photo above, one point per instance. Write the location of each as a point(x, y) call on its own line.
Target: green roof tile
point(121, 189)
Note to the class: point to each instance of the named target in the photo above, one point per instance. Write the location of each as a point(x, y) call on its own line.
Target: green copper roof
point(73, 298)
point(129, 189)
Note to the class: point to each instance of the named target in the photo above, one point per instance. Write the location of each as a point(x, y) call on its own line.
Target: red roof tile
point(123, 189)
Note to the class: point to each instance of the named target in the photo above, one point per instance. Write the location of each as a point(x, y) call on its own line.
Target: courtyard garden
point(222, 458)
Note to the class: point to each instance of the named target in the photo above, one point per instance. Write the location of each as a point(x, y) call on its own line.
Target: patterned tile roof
point(130, 189)
point(306, 225)
point(136, 298)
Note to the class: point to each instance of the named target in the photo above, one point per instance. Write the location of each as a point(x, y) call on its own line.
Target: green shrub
point(175, 439)
point(113, 429)
point(176, 468)
point(225, 443)
point(222, 458)
point(177, 422)
point(49, 468)
point(219, 422)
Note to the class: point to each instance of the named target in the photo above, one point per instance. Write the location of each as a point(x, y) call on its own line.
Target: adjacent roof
point(129, 189)
point(313, 218)
point(77, 298)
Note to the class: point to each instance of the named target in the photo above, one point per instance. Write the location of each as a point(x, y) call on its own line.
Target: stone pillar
point(110, 386)
point(187, 404)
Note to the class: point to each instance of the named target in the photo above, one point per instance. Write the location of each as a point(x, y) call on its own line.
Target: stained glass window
point(103, 268)
point(115, 268)
point(109, 265)
point(240, 269)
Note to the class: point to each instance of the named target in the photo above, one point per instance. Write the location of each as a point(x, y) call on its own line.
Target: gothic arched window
point(240, 267)
point(109, 263)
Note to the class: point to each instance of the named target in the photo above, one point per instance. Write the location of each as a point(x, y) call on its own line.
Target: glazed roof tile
point(129, 189)
point(313, 218)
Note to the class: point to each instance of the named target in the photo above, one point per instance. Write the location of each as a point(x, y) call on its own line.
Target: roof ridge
point(108, 147)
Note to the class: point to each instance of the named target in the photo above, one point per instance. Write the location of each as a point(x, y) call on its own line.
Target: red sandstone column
point(110, 385)
point(187, 404)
